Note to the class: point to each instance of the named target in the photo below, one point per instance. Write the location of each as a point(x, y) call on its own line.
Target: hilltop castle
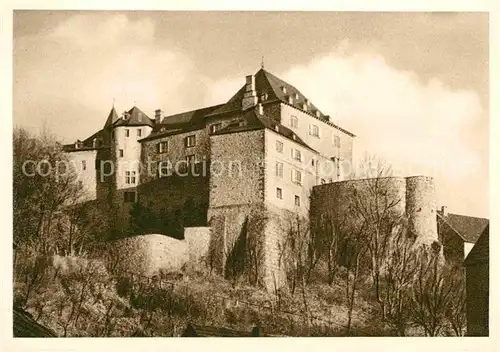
point(232, 167)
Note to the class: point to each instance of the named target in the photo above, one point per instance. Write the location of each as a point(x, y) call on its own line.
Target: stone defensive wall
point(413, 196)
point(152, 254)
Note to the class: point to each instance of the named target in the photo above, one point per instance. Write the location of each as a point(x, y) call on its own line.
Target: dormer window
point(139, 117)
point(308, 102)
point(290, 100)
point(318, 114)
point(297, 97)
point(283, 89)
point(304, 107)
point(215, 127)
point(263, 96)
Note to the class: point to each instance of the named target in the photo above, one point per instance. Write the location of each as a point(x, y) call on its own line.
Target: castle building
point(226, 166)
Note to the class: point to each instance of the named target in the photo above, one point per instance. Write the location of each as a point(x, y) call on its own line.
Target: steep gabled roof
point(195, 330)
point(184, 121)
point(112, 117)
point(135, 118)
point(251, 120)
point(469, 228)
point(25, 326)
point(480, 252)
point(275, 89)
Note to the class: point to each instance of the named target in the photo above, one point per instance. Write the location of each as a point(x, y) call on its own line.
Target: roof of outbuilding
point(469, 228)
point(195, 330)
point(25, 326)
point(480, 252)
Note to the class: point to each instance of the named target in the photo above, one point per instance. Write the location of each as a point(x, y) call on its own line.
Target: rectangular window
point(279, 146)
point(127, 133)
point(139, 132)
point(297, 201)
point(84, 165)
point(296, 177)
point(130, 177)
point(296, 154)
point(190, 141)
point(314, 130)
point(215, 127)
point(129, 197)
point(294, 121)
point(279, 169)
point(336, 141)
point(120, 153)
point(162, 147)
point(190, 159)
point(279, 193)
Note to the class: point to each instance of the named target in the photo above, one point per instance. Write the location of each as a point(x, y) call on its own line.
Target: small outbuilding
point(25, 326)
point(478, 286)
point(194, 330)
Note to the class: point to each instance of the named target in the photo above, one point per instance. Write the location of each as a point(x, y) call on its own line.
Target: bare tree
point(431, 294)
point(397, 279)
point(378, 204)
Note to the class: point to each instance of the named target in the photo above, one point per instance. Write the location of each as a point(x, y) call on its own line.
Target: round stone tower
point(421, 208)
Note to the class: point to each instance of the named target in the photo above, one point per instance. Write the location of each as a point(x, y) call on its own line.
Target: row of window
point(296, 153)
point(279, 195)
point(313, 130)
point(127, 133)
point(163, 146)
point(296, 174)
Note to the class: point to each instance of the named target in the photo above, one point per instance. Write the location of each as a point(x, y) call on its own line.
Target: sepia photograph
point(250, 174)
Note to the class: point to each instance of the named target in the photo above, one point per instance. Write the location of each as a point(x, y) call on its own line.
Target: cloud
point(86, 62)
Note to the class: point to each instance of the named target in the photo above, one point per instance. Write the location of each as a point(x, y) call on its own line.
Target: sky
point(413, 87)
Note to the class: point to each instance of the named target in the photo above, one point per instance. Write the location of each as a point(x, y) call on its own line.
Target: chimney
point(257, 331)
point(260, 109)
point(250, 95)
point(444, 210)
point(158, 116)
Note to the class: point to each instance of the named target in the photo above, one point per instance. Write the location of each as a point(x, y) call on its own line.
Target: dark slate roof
point(268, 83)
point(469, 228)
point(251, 120)
point(193, 330)
point(136, 118)
point(112, 117)
point(480, 252)
point(182, 122)
point(88, 143)
point(25, 326)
